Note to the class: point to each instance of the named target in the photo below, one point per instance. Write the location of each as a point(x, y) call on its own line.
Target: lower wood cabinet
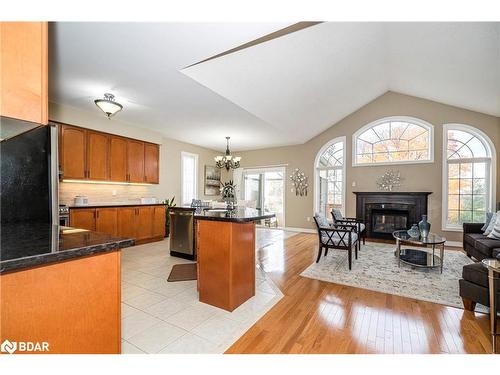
point(83, 218)
point(142, 223)
point(106, 220)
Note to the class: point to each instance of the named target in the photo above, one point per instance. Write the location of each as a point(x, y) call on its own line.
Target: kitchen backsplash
point(104, 193)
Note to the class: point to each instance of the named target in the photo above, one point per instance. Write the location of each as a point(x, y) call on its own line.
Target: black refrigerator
point(29, 172)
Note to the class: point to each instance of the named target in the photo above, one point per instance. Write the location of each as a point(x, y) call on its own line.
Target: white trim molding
point(316, 169)
point(195, 156)
point(491, 160)
point(411, 120)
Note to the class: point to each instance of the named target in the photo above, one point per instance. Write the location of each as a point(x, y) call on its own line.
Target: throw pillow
point(492, 224)
point(489, 215)
point(495, 233)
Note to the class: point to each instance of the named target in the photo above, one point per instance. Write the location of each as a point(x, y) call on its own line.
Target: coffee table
point(493, 266)
point(419, 257)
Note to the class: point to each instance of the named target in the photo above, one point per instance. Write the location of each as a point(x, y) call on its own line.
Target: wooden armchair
point(338, 218)
point(342, 237)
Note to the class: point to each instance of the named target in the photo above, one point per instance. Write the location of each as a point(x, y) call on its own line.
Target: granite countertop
point(123, 204)
point(238, 215)
point(31, 244)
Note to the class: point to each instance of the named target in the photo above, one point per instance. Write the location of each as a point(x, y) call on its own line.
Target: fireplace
point(385, 212)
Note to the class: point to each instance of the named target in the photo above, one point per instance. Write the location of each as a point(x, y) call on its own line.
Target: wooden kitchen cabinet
point(107, 220)
point(159, 221)
point(151, 163)
point(135, 160)
point(97, 156)
point(144, 223)
point(24, 71)
point(117, 159)
point(72, 152)
point(83, 218)
point(126, 222)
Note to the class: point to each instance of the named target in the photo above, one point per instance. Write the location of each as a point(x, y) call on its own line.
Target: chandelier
point(108, 105)
point(227, 161)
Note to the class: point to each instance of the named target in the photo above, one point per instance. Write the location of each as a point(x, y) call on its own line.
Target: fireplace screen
point(387, 221)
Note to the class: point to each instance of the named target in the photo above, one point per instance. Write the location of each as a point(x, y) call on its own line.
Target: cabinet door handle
point(97, 212)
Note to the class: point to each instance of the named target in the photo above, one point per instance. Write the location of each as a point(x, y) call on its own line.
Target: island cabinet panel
point(135, 157)
point(226, 263)
point(126, 222)
point(159, 221)
point(97, 156)
point(144, 223)
point(24, 71)
point(72, 152)
point(72, 305)
point(151, 163)
point(117, 159)
point(107, 220)
point(83, 218)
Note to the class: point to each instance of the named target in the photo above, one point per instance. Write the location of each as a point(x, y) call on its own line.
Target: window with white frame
point(393, 140)
point(189, 177)
point(467, 176)
point(329, 175)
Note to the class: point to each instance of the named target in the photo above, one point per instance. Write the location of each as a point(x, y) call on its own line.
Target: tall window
point(189, 177)
point(393, 140)
point(329, 186)
point(467, 177)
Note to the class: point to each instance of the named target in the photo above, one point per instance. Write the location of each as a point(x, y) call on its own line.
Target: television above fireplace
point(385, 212)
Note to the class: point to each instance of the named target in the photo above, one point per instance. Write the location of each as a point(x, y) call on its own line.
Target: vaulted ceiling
point(278, 91)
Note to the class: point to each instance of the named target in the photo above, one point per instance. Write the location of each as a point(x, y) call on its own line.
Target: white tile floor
point(163, 317)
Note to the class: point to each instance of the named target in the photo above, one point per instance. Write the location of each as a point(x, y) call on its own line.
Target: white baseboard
point(454, 243)
point(302, 230)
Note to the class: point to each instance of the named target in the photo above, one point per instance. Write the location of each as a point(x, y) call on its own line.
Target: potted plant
point(169, 203)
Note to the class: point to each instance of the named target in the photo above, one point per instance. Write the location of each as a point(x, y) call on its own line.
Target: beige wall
point(170, 160)
point(417, 177)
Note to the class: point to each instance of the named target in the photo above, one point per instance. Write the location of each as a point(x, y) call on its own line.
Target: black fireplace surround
point(385, 212)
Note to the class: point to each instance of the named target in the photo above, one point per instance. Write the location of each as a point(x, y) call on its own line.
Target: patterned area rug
point(377, 269)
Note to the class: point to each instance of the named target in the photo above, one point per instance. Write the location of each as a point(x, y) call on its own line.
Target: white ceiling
point(283, 91)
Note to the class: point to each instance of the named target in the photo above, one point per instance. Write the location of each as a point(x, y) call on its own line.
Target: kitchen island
point(225, 242)
point(60, 286)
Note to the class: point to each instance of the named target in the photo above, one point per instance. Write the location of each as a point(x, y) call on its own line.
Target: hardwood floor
point(320, 317)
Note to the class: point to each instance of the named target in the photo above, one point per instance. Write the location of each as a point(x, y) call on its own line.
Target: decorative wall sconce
point(299, 180)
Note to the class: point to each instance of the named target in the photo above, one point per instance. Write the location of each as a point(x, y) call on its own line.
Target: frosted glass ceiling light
point(108, 105)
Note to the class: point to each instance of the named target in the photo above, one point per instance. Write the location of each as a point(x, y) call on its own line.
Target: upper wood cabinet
point(73, 152)
point(97, 156)
point(118, 159)
point(24, 71)
point(151, 163)
point(135, 151)
point(86, 154)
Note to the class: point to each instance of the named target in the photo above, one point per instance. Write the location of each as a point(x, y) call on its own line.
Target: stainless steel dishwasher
point(182, 238)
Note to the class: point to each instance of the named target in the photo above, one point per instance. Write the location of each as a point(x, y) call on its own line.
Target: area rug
point(377, 269)
point(183, 272)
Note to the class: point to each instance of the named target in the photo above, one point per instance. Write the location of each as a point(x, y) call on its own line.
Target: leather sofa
point(474, 283)
point(477, 245)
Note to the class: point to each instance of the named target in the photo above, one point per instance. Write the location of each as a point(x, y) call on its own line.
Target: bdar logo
point(8, 347)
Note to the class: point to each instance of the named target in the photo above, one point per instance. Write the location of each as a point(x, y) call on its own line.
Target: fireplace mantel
point(409, 204)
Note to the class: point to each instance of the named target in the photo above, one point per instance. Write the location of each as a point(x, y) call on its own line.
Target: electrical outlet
point(113, 193)
point(308, 218)
point(353, 184)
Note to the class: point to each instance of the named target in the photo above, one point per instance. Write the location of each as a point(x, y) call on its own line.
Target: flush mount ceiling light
point(227, 161)
point(108, 105)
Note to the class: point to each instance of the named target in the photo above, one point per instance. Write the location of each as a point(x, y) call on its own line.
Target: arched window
point(468, 180)
point(393, 140)
point(329, 177)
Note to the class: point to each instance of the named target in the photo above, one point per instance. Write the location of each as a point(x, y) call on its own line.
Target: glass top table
point(419, 257)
